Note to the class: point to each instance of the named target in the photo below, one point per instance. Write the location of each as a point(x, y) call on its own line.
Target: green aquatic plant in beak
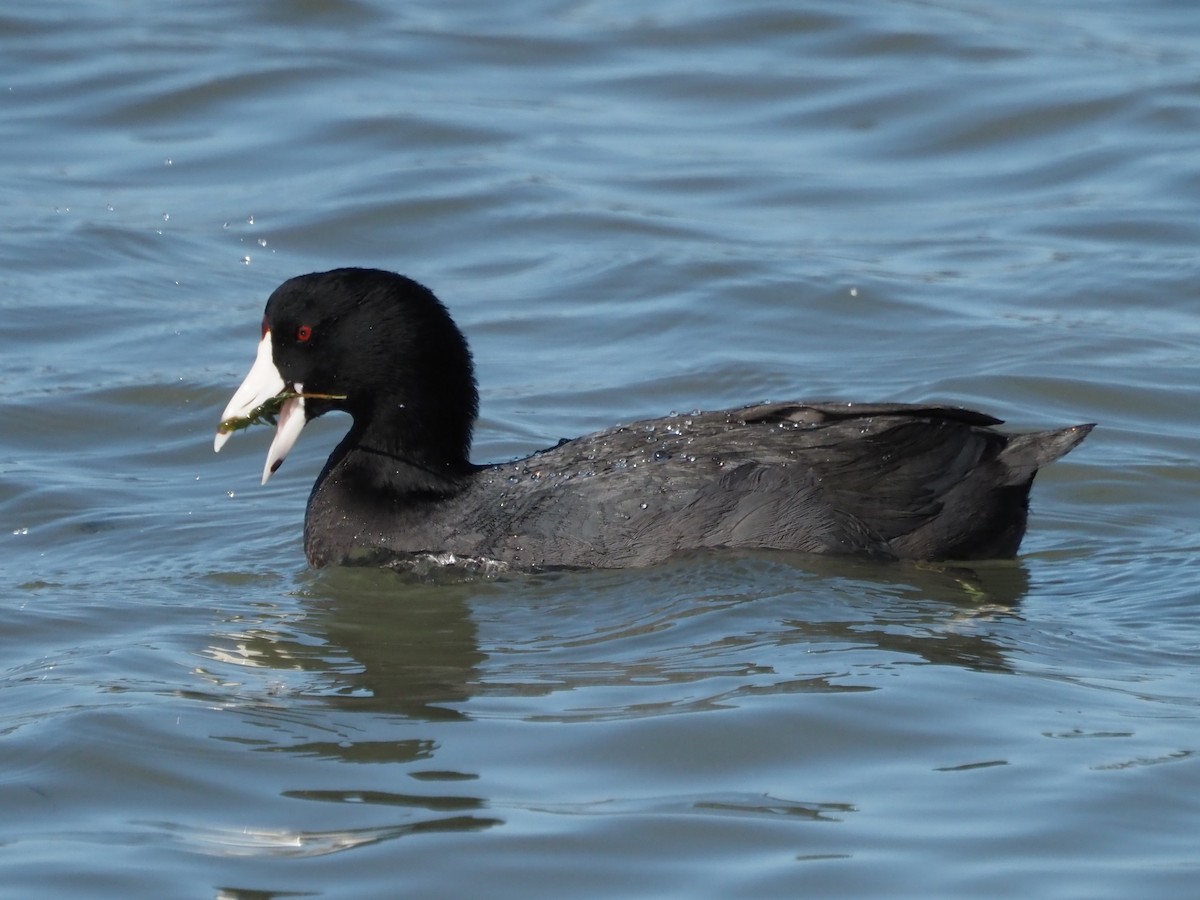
point(267, 412)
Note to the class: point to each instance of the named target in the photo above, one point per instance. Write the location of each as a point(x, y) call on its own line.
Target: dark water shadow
point(698, 634)
point(399, 644)
point(943, 613)
point(415, 643)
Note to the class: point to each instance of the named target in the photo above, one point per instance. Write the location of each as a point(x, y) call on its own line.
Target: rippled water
point(630, 208)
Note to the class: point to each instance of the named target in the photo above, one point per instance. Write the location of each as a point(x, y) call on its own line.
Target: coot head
point(374, 344)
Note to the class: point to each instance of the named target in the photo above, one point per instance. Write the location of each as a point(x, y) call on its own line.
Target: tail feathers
point(1026, 453)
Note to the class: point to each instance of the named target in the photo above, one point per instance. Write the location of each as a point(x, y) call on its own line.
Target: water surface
point(630, 209)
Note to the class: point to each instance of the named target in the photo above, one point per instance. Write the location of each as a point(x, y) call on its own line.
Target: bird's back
point(885, 480)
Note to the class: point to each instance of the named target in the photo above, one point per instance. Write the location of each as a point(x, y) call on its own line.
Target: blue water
point(630, 209)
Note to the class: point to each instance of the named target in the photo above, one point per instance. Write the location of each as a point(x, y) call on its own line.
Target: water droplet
point(246, 260)
point(20, 531)
point(645, 505)
point(262, 242)
point(230, 494)
point(250, 220)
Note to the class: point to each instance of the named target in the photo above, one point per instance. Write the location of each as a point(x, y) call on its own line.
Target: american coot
point(886, 480)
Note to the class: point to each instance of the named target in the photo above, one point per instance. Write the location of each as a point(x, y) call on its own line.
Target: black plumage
point(885, 480)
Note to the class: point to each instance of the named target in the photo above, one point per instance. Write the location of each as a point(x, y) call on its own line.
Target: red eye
point(303, 333)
